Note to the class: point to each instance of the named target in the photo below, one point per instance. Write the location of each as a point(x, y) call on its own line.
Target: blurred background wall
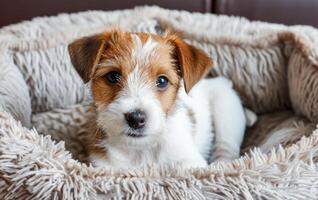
point(279, 11)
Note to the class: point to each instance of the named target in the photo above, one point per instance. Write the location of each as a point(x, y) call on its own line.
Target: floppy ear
point(85, 53)
point(192, 62)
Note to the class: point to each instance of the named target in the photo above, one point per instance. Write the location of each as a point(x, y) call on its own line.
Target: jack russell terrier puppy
point(150, 102)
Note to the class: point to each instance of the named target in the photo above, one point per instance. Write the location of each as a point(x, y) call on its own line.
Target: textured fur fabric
point(273, 68)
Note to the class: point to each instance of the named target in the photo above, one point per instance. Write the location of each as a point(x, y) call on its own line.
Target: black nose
point(136, 119)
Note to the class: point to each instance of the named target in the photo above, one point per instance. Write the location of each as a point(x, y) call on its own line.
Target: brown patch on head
point(95, 56)
point(85, 52)
point(164, 65)
point(102, 92)
point(114, 57)
point(192, 62)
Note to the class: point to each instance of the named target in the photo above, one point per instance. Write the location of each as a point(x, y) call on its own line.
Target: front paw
point(195, 163)
point(223, 154)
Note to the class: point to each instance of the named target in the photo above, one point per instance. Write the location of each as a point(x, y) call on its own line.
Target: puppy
point(150, 106)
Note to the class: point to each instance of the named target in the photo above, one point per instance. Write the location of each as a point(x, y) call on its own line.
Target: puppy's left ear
point(193, 62)
point(84, 54)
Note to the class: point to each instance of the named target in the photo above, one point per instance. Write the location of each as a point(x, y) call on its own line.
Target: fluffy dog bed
point(45, 110)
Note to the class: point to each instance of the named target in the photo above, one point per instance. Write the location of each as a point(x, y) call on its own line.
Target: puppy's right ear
point(85, 53)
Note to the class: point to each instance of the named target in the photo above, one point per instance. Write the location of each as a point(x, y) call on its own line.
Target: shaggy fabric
point(273, 68)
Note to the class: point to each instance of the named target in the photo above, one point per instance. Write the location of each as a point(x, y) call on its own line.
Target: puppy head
point(135, 78)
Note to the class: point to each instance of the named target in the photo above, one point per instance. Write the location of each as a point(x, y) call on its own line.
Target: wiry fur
point(180, 120)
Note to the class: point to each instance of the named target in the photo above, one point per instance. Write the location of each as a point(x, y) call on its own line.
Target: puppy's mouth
point(135, 134)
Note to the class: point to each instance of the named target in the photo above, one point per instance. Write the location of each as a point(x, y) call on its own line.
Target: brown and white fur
point(178, 119)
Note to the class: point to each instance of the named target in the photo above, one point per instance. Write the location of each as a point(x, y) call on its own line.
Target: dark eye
point(112, 77)
point(162, 82)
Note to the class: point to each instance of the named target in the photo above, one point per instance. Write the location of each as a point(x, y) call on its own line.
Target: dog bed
point(45, 108)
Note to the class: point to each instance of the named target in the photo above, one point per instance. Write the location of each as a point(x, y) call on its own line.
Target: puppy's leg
point(185, 152)
point(179, 146)
point(192, 158)
point(228, 119)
